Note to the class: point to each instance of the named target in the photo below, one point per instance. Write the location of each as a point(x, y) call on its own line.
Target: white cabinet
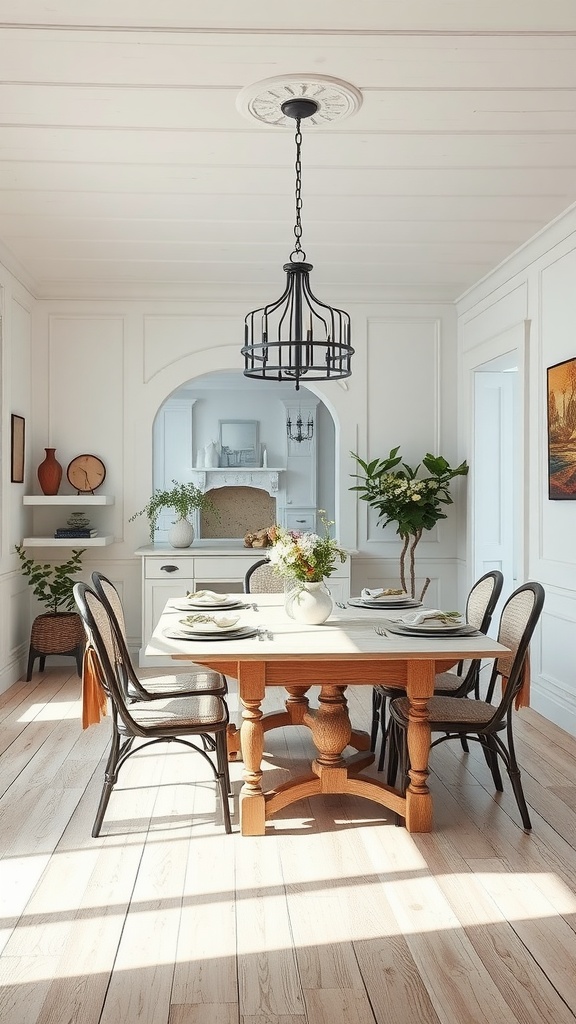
point(302, 519)
point(168, 573)
point(46, 519)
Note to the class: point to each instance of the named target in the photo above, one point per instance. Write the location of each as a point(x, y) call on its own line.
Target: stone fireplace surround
point(258, 514)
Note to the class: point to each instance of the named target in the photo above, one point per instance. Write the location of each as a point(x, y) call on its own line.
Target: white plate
point(434, 629)
point(212, 601)
point(221, 624)
point(239, 633)
point(191, 606)
point(360, 602)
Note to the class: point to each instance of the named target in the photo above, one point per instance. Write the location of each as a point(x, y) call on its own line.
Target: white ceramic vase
point(211, 458)
point(181, 534)
point(310, 603)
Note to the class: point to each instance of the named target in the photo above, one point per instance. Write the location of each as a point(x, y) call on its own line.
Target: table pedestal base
point(297, 713)
point(331, 772)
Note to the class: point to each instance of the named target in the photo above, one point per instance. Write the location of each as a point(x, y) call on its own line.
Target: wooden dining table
point(346, 650)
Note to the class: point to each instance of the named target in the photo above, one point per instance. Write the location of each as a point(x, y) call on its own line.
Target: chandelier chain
point(298, 191)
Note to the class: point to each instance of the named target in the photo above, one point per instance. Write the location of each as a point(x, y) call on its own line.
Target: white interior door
point(497, 452)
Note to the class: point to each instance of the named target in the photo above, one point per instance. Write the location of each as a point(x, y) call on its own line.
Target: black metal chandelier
point(302, 433)
point(297, 337)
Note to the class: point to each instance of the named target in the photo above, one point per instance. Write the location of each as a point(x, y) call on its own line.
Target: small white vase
point(310, 603)
point(181, 534)
point(211, 459)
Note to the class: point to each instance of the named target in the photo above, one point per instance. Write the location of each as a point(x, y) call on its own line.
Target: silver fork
point(380, 631)
point(339, 604)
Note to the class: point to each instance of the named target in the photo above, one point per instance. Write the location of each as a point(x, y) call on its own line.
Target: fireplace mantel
point(266, 479)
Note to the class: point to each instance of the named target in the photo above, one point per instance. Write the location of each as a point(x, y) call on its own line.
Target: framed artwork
point(239, 443)
point(562, 431)
point(17, 449)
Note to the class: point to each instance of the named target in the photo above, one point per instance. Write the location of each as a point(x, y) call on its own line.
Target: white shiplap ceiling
point(126, 168)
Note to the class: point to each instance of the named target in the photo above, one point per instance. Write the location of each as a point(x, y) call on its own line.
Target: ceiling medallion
point(334, 99)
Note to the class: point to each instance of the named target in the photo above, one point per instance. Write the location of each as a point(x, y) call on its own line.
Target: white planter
point(181, 534)
point(310, 603)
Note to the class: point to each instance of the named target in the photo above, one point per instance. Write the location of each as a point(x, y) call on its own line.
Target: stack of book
point(74, 531)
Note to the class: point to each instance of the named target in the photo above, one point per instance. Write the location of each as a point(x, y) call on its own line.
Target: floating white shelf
point(68, 499)
point(66, 542)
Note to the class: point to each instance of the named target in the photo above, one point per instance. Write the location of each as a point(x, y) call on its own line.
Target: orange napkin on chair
point(523, 696)
point(94, 700)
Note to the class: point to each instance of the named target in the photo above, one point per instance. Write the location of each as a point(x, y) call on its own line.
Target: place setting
point(201, 626)
point(431, 622)
point(382, 598)
point(204, 600)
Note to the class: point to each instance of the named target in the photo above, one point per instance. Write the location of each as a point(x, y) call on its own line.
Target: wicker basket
point(57, 633)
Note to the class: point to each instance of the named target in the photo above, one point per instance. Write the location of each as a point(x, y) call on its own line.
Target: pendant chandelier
point(297, 337)
point(302, 433)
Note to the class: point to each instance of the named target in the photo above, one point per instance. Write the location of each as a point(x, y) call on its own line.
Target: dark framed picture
point(18, 436)
point(562, 431)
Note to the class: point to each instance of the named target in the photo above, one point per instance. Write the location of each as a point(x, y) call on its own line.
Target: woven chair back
point(261, 579)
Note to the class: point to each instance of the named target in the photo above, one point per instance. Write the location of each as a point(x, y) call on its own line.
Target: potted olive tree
point(184, 499)
point(59, 629)
point(412, 503)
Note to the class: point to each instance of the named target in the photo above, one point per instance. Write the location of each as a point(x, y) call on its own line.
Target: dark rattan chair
point(476, 719)
point(480, 605)
point(157, 721)
point(261, 579)
point(196, 680)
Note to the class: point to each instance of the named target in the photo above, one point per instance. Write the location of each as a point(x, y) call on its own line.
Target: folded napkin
point(94, 700)
point(207, 597)
point(416, 618)
point(220, 621)
point(368, 594)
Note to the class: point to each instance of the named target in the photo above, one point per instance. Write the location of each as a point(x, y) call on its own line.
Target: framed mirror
point(239, 443)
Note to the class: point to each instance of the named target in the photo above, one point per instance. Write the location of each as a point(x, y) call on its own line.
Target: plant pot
point(56, 633)
point(49, 473)
point(309, 603)
point(181, 534)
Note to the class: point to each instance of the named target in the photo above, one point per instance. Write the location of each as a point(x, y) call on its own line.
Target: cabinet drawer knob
point(169, 568)
point(300, 520)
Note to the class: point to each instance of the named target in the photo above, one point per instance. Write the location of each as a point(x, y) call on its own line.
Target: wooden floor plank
point(335, 914)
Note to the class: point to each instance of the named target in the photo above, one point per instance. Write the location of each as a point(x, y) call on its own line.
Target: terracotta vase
point(50, 473)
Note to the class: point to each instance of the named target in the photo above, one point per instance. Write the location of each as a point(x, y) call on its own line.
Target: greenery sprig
point(183, 498)
point(52, 584)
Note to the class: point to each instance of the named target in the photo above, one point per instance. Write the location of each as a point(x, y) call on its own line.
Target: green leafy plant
point(392, 488)
point(52, 584)
point(183, 498)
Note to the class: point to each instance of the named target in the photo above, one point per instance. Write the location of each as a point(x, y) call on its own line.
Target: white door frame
point(513, 340)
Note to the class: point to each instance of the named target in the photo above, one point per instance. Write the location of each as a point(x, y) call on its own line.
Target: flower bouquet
point(305, 557)
point(305, 560)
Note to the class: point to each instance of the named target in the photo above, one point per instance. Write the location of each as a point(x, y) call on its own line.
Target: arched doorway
point(190, 420)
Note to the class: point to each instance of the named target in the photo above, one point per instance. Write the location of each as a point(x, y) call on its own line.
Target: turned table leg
point(420, 686)
point(330, 726)
point(251, 688)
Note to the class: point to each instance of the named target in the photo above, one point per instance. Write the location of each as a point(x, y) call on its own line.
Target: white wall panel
point(86, 399)
point(403, 384)
point(168, 339)
point(540, 287)
point(494, 317)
